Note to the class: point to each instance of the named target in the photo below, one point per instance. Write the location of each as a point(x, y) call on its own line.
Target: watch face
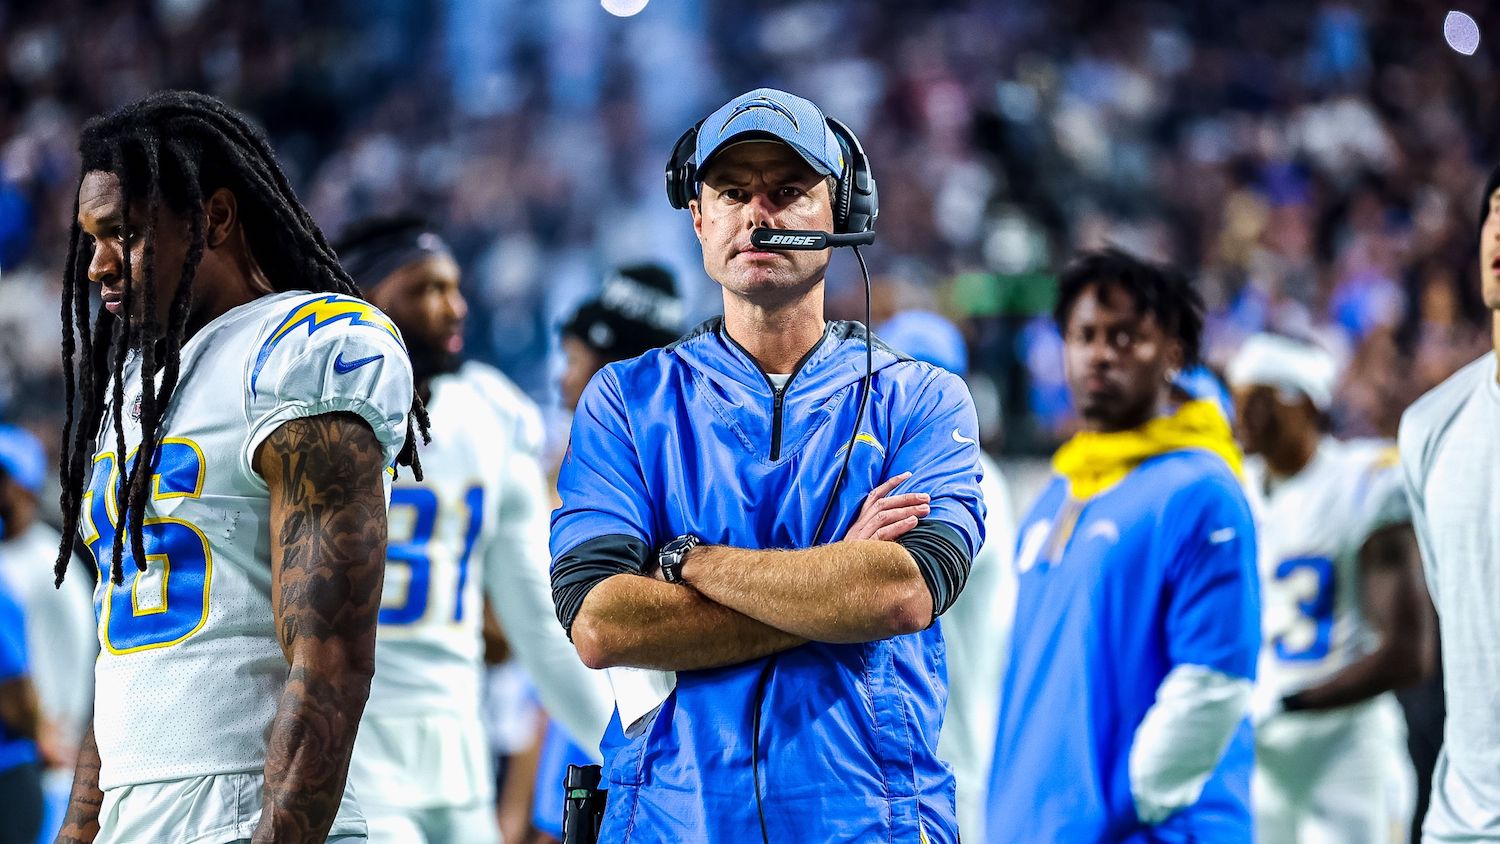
point(670, 557)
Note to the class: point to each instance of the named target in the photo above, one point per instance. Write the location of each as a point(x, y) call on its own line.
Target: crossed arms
point(738, 605)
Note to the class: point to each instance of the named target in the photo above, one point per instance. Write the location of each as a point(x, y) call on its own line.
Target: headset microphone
point(807, 240)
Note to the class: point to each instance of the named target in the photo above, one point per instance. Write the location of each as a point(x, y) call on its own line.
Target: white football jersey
point(475, 525)
point(976, 632)
point(429, 652)
point(190, 668)
point(1311, 530)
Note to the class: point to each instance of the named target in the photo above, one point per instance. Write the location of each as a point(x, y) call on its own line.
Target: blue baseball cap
point(929, 338)
point(769, 114)
point(23, 458)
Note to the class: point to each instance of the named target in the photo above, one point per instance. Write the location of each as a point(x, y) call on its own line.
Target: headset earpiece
point(682, 174)
point(858, 202)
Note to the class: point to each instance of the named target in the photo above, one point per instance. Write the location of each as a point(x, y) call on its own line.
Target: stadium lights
point(1461, 31)
point(623, 8)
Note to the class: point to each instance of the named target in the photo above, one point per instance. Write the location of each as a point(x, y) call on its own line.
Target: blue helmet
point(23, 458)
point(928, 337)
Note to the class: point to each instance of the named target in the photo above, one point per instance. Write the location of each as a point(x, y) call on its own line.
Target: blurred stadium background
point(1315, 165)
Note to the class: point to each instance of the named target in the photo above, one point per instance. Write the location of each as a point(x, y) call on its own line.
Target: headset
point(856, 204)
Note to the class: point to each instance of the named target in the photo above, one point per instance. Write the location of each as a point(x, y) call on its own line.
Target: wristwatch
point(671, 555)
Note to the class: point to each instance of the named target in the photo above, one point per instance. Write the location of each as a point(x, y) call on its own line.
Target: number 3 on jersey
point(416, 553)
point(1315, 610)
point(168, 602)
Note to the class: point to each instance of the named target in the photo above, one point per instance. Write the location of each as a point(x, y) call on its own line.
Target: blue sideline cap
point(23, 458)
point(773, 115)
point(929, 338)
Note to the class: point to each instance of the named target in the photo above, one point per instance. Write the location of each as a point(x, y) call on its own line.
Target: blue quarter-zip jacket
point(692, 439)
point(1156, 572)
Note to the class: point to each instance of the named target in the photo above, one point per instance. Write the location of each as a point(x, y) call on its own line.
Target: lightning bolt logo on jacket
point(867, 439)
point(318, 314)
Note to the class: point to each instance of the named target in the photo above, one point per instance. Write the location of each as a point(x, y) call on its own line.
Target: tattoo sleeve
point(81, 824)
point(328, 535)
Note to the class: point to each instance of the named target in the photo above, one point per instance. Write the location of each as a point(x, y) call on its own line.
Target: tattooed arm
point(328, 531)
point(81, 823)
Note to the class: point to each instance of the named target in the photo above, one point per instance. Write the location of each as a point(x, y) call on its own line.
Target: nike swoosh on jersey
point(320, 313)
point(1221, 536)
point(344, 367)
point(960, 438)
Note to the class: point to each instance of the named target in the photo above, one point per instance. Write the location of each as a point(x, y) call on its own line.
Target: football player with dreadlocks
point(475, 525)
point(235, 416)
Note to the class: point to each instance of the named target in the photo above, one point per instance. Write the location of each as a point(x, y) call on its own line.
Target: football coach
point(707, 529)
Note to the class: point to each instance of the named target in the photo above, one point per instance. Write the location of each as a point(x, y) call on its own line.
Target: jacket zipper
point(777, 394)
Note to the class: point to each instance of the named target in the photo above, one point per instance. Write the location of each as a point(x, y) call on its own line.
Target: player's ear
point(221, 215)
point(1175, 355)
point(696, 208)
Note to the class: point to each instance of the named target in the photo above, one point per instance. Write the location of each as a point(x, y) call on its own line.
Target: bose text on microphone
point(808, 240)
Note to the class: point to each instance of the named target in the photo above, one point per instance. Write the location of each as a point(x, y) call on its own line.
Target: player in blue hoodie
point(808, 677)
point(1137, 615)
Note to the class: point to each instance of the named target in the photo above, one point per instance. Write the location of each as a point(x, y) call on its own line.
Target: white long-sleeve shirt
point(976, 633)
point(1450, 455)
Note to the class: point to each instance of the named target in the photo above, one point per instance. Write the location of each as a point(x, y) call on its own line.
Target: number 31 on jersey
point(429, 555)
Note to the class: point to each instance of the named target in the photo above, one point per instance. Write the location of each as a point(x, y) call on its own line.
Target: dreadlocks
point(174, 148)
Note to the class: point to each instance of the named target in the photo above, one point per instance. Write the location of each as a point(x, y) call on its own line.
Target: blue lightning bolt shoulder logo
point(319, 313)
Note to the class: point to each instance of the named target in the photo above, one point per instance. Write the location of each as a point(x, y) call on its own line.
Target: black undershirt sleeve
point(577, 572)
point(938, 551)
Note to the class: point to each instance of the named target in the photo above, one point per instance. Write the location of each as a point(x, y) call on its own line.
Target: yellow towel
point(1092, 462)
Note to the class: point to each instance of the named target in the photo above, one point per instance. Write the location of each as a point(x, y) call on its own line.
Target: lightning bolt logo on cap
point(761, 102)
